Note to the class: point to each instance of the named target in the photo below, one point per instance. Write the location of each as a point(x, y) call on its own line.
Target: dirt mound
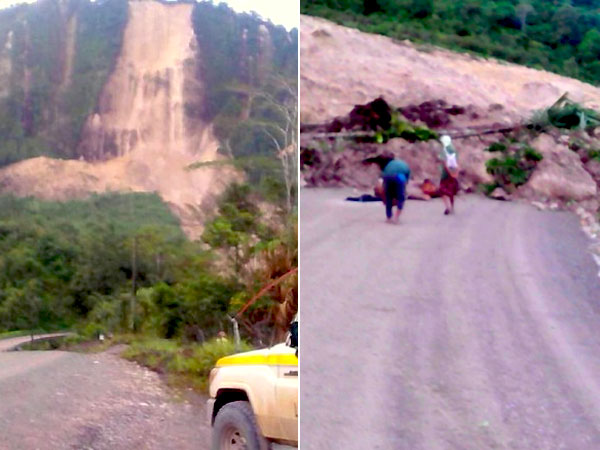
point(566, 177)
point(377, 114)
point(341, 165)
point(373, 115)
point(437, 113)
point(185, 191)
point(335, 168)
point(341, 67)
point(560, 176)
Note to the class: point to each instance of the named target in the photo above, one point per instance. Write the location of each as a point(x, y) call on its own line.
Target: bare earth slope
point(341, 67)
point(467, 332)
point(140, 139)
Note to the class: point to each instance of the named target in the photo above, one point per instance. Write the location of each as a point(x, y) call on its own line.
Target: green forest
point(561, 36)
point(249, 70)
point(120, 262)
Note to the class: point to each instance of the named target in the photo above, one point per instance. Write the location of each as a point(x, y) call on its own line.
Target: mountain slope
point(128, 94)
point(138, 140)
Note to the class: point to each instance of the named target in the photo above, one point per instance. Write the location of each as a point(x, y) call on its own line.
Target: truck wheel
point(235, 428)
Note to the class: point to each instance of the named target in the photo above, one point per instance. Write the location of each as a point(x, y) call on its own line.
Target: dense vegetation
point(121, 263)
point(559, 35)
point(249, 70)
point(41, 114)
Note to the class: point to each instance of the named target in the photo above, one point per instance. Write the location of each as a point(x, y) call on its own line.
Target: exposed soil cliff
point(341, 67)
point(139, 139)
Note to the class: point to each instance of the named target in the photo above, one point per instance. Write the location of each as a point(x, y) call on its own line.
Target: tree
point(589, 49)
point(523, 10)
point(237, 228)
point(370, 7)
point(22, 308)
point(567, 26)
point(283, 133)
point(421, 8)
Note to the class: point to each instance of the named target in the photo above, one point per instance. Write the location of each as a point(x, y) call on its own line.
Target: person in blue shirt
point(395, 174)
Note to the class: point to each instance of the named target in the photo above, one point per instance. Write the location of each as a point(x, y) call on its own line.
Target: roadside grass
point(77, 343)
point(183, 365)
point(19, 333)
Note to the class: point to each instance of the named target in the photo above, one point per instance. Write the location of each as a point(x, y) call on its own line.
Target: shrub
point(496, 147)
point(168, 356)
point(594, 154)
point(404, 130)
point(513, 167)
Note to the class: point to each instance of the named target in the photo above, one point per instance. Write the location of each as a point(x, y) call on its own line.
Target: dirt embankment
point(139, 140)
point(341, 67)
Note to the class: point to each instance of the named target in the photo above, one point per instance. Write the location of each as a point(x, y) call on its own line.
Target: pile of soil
point(437, 113)
point(377, 115)
point(405, 73)
point(341, 164)
point(568, 176)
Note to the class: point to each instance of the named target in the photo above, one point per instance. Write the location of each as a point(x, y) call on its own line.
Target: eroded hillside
point(342, 67)
point(129, 95)
point(139, 139)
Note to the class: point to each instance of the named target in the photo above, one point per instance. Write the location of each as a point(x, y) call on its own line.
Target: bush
point(404, 130)
point(514, 167)
point(594, 154)
point(496, 147)
point(168, 356)
point(531, 154)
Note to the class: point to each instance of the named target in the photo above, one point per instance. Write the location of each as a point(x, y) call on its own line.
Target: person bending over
point(395, 174)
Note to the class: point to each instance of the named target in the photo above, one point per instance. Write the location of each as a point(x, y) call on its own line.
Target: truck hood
point(278, 355)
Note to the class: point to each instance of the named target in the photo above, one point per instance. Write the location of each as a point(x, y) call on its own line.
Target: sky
point(280, 12)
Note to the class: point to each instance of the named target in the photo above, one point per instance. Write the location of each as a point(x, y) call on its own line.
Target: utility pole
point(133, 270)
point(133, 283)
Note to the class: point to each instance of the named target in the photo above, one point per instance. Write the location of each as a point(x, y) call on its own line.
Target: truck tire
point(235, 428)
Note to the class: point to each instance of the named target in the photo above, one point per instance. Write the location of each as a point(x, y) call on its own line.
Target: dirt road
point(69, 401)
point(9, 344)
point(474, 331)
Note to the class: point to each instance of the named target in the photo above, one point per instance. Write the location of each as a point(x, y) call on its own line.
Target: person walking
point(449, 177)
point(395, 174)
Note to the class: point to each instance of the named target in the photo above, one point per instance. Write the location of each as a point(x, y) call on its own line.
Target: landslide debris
point(536, 161)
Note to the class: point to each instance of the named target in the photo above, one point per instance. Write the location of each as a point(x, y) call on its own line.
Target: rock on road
point(70, 401)
point(474, 331)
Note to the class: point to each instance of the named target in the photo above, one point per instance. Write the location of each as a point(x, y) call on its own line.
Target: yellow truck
point(253, 402)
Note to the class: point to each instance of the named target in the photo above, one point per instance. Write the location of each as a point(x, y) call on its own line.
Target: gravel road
point(59, 400)
point(474, 331)
point(12, 343)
